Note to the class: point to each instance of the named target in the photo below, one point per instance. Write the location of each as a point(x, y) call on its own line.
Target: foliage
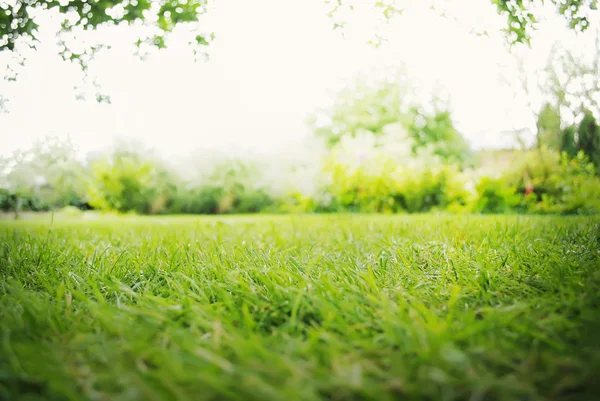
point(521, 17)
point(437, 132)
point(568, 143)
point(17, 21)
point(230, 187)
point(548, 128)
point(381, 174)
point(588, 138)
point(585, 138)
point(298, 202)
point(495, 195)
point(576, 188)
point(385, 105)
point(560, 184)
point(126, 181)
point(573, 81)
point(364, 173)
point(536, 166)
point(203, 200)
point(47, 175)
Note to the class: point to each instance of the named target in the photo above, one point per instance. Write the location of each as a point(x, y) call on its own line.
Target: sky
point(273, 62)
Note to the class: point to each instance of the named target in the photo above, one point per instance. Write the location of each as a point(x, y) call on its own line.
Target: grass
point(301, 308)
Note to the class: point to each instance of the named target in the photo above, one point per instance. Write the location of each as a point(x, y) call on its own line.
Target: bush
point(557, 183)
point(45, 176)
point(370, 174)
point(495, 195)
point(70, 211)
point(576, 189)
point(225, 187)
point(585, 138)
point(125, 181)
point(297, 202)
point(588, 138)
point(203, 200)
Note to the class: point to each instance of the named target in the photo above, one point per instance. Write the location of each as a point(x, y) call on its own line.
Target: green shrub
point(45, 176)
point(297, 202)
point(559, 184)
point(204, 200)
point(252, 200)
point(70, 211)
point(225, 187)
point(575, 190)
point(125, 181)
point(495, 195)
point(588, 138)
point(388, 177)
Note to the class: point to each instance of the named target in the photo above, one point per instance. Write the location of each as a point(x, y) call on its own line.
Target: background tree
point(378, 105)
point(45, 176)
point(568, 143)
point(573, 81)
point(588, 138)
point(127, 181)
point(548, 127)
point(436, 130)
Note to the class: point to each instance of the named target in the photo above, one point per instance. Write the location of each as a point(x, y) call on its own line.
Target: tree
point(377, 106)
point(573, 81)
point(567, 141)
point(127, 181)
point(45, 176)
point(588, 138)
point(437, 131)
point(584, 137)
point(548, 127)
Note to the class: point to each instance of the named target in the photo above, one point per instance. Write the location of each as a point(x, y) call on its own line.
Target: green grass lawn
point(301, 308)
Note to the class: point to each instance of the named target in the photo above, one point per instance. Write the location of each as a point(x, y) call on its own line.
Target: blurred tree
point(126, 181)
point(567, 141)
point(377, 106)
point(363, 107)
point(573, 81)
point(437, 131)
point(45, 176)
point(548, 127)
point(588, 138)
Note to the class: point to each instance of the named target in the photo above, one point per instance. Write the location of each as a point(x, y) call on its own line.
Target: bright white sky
point(272, 63)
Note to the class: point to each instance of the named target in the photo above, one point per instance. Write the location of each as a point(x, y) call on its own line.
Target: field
point(339, 307)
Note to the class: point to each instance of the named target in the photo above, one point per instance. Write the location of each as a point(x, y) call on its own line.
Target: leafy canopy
point(17, 16)
point(521, 19)
point(521, 15)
